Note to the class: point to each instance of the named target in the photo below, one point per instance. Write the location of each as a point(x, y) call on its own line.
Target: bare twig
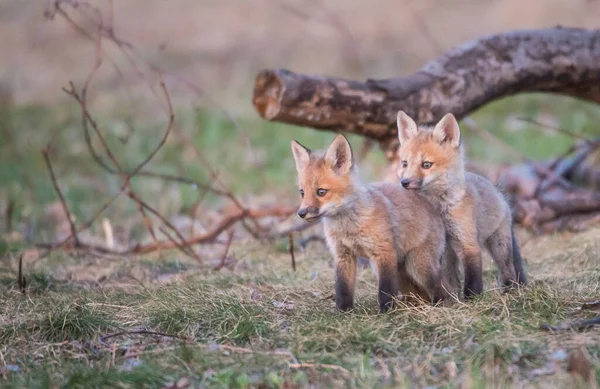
point(184, 180)
point(224, 256)
point(60, 196)
point(20, 278)
point(99, 212)
point(291, 236)
point(564, 170)
point(104, 31)
point(590, 304)
point(167, 131)
point(559, 130)
point(223, 225)
point(177, 244)
point(144, 205)
point(207, 237)
point(541, 170)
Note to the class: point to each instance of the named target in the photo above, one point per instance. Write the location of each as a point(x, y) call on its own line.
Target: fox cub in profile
point(396, 229)
point(475, 213)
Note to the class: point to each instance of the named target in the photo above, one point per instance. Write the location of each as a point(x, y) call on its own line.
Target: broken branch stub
point(556, 60)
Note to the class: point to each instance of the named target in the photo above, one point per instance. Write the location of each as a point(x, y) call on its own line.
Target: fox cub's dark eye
point(426, 165)
point(404, 164)
point(321, 192)
point(301, 193)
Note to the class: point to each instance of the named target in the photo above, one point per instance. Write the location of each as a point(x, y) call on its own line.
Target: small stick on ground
point(590, 304)
point(291, 236)
point(20, 279)
point(224, 256)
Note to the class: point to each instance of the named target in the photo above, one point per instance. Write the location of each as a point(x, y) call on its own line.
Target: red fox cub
point(396, 229)
point(475, 213)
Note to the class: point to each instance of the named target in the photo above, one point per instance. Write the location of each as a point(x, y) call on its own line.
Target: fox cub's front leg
point(387, 272)
point(345, 278)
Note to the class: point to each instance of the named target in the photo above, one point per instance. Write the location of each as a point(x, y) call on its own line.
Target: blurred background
point(210, 52)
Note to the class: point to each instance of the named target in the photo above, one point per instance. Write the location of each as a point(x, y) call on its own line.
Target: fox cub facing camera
point(395, 228)
point(475, 213)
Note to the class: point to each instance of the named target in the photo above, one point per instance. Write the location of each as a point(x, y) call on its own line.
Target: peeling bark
point(557, 60)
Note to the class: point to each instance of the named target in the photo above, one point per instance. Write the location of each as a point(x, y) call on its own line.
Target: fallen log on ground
point(547, 196)
point(556, 60)
point(544, 206)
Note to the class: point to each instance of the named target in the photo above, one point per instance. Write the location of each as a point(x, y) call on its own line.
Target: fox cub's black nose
point(405, 182)
point(302, 213)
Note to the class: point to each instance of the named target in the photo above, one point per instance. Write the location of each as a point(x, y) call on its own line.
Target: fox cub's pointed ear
point(447, 130)
point(407, 128)
point(301, 155)
point(339, 155)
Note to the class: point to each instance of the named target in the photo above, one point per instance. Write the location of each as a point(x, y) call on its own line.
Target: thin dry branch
point(224, 256)
point(541, 170)
point(21, 282)
point(223, 225)
point(167, 131)
point(127, 177)
point(144, 205)
point(60, 196)
point(291, 236)
point(559, 130)
point(178, 245)
point(104, 30)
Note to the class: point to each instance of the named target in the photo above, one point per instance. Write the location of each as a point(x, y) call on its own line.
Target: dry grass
point(256, 323)
point(263, 325)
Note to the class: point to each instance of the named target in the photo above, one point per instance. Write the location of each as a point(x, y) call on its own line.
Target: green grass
point(261, 165)
point(251, 328)
point(260, 324)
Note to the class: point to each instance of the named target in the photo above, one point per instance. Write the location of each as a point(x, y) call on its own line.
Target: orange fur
point(397, 230)
point(475, 213)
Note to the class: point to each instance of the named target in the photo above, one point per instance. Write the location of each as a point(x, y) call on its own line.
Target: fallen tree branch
point(556, 60)
point(224, 256)
point(209, 236)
